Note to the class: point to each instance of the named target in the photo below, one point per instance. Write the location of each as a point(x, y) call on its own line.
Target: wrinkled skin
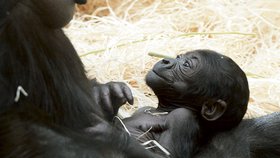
point(169, 79)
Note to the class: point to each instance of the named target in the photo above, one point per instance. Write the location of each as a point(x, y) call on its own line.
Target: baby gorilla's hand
point(111, 96)
point(143, 120)
point(171, 130)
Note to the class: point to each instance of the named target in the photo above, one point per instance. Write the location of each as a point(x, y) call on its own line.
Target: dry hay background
point(114, 37)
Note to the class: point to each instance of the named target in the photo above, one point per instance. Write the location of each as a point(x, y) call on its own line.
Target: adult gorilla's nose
point(168, 63)
point(81, 1)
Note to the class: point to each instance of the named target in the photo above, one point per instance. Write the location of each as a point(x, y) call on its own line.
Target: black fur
point(252, 138)
point(59, 118)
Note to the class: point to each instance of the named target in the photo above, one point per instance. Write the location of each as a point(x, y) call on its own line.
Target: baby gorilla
point(200, 93)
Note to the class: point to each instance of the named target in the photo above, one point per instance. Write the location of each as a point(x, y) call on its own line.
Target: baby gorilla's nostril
point(165, 61)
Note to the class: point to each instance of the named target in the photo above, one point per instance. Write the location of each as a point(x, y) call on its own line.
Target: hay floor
point(115, 37)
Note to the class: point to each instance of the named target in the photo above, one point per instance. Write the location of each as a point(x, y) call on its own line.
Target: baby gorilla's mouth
point(161, 76)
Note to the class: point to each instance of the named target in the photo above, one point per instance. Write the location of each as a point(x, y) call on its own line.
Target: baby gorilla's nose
point(168, 63)
point(165, 61)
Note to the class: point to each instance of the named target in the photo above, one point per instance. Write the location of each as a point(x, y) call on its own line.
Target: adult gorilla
point(48, 107)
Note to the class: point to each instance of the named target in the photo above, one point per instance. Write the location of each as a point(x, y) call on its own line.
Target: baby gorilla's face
point(172, 74)
point(170, 79)
point(197, 77)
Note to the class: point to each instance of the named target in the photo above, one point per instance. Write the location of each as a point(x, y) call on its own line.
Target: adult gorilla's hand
point(111, 96)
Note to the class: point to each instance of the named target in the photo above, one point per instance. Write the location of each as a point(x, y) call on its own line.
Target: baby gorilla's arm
point(178, 131)
point(182, 133)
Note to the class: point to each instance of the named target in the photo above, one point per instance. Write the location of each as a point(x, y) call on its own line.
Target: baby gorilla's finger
point(154, 126)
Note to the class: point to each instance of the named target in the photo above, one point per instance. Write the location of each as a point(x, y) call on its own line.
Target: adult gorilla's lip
point(81, 1)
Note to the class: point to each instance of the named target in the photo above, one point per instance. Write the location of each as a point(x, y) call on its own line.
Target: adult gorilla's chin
point(81, 1)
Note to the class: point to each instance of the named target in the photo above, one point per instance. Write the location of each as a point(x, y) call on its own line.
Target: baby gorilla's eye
point(187, 64)
point(194, 57)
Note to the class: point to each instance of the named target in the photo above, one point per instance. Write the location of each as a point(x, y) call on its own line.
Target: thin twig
point(181, 35)
point(217, 33)
point(117, 46)
point(123, 125)
point(144, 133)
point(153, 54)
point(148, 111)
point(156, 144)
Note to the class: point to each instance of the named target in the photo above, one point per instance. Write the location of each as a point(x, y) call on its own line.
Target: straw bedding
point(114, 39)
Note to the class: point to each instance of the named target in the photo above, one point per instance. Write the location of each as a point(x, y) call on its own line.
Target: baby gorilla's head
point(204, 81)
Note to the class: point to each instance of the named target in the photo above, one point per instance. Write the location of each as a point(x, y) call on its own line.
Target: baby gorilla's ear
point(213, 109)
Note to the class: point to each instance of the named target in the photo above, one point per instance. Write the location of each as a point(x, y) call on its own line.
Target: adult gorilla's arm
point(30, 134)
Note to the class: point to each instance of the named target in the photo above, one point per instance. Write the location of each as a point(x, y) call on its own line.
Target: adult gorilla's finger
point(106, 99)
point(96, 95)
point(116, 87)
point(128, 94)
point(116, 92)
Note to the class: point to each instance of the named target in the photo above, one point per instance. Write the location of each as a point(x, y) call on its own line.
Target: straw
point(116, 37)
